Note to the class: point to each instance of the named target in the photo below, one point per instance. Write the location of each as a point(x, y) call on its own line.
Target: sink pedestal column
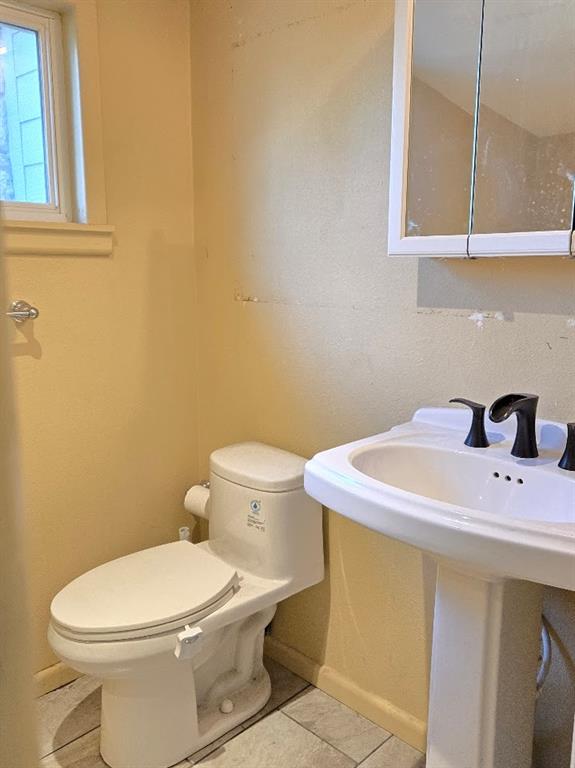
point(483, 671)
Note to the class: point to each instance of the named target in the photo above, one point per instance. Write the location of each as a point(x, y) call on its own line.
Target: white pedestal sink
point(499, 527)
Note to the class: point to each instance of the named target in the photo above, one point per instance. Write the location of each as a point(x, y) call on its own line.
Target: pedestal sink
point(499, 528)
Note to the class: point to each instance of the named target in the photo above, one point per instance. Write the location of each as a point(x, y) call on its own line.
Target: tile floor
point(300, 727)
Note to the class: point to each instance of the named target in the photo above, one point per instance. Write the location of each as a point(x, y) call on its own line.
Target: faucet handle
point(477, 437)
point(567, 461)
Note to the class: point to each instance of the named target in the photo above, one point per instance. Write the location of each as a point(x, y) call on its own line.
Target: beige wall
point(291, 142)
point(105, 377)
point(16, 714)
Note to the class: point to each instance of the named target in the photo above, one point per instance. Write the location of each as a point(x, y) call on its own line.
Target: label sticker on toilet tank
point(256, 517)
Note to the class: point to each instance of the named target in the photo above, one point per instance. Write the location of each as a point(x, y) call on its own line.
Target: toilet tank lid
point(259, 466)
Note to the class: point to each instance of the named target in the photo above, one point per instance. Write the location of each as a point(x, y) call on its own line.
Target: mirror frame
point(537, 243)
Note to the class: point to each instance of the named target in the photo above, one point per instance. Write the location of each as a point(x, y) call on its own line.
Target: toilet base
point(174, 727)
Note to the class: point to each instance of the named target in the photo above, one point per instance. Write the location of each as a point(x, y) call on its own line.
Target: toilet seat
point(151, 592)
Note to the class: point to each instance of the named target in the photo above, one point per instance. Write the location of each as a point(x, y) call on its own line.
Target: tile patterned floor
point(300, 727)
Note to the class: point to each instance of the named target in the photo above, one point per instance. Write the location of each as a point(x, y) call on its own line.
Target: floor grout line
point(59, 688)
point(188, 758)
point(387, 738)
point(67, 744)
point(275, 709)
point(322, 740)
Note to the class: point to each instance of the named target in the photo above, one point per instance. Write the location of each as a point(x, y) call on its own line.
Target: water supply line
point(545, 658)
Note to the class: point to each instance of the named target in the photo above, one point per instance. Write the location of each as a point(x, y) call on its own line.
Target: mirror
point(445, 54)
point(482, 159)
point(526, 125)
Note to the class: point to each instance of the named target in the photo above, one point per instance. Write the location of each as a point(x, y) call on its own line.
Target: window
point(34, 183)
point(52, 184)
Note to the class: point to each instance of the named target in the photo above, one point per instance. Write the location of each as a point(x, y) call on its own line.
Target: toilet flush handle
point(186, 641)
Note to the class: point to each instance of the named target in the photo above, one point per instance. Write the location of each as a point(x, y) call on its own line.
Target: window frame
point(48, 26)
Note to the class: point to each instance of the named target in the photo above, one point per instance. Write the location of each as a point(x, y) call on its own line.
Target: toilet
point(175, 632)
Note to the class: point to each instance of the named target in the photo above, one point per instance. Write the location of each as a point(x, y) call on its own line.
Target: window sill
point(38, 238)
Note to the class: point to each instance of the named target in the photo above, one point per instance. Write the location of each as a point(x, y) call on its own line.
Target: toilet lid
point(145, 591)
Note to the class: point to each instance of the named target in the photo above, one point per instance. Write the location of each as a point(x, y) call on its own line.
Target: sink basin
point(481, 483)
point(481, 506)
point(498, 527)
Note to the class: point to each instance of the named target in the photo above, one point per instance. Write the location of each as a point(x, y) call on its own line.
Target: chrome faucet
point(525, 408)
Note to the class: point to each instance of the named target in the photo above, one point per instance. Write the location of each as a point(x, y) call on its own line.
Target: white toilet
point(176, 632)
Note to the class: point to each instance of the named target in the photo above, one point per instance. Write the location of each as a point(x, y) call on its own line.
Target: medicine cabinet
point(483, 128)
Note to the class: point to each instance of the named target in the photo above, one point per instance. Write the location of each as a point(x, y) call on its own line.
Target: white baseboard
point(53, 677)
point(381, 711)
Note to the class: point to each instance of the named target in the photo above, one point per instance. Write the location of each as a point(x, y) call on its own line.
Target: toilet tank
point(261, 519)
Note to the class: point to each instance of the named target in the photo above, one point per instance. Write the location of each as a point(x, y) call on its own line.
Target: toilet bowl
point(175, 632)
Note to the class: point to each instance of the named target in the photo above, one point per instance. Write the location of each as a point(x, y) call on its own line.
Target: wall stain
point(244, 40)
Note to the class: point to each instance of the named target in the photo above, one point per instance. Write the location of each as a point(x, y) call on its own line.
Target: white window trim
point(88, 191)
point(48, 27)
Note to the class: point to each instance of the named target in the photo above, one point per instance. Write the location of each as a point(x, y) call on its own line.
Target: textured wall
point(292, 106)
point(17, 748)
point(105, 377)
